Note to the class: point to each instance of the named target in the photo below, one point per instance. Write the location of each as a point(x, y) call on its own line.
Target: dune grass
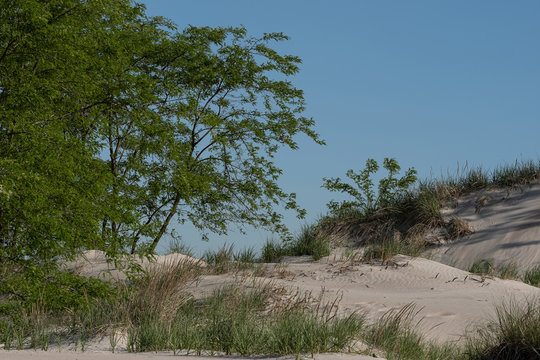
point(506, 271)
point(310, 241)
point(157, 312)
point(417, 211)
point(532, 276)
point(234, 321)
point(513, 335)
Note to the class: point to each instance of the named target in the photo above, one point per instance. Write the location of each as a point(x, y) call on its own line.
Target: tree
point(113, 124)
point(199, 144)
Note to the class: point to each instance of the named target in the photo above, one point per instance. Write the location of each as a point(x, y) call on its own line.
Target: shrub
point(52, 288)
point(365, 202)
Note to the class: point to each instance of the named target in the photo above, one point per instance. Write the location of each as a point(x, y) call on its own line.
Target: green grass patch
point(514, 334)
point(532, 276)
point(310, 241)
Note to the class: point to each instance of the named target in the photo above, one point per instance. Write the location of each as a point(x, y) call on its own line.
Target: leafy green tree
point(366, 200)
point(202, 150)
point(50, 179)
point(113, 124)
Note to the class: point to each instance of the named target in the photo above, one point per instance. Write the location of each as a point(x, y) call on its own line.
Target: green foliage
point(113, 124)
point(272, 251)
point(54, 290)
point(365, 200)
point(518, 173)
point(235, 321)
point(387, 247)
point(227, 259)
point(532, 276)
point(514, 334)
point(310, 241)
point(484, 267)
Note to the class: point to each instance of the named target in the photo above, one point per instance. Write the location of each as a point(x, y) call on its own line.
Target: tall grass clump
point(176, 246)
point(310, 241)
point(237, 321)
point(516, 174)
point(226, 259)
point(513, 335)
point(396, 335)
point(532, 276)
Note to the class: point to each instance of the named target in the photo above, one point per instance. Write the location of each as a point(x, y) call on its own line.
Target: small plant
point(310, 242)
point(384, 250)
point(532, 276)
point(514, 334)
point(113, 339)
point(272, 251)
point(246, 256)
point(178, 247)
point(365, 200)
point(508, 271)
point(220, 260)
point(226, 259)
point(458, 228)
point(483, 267)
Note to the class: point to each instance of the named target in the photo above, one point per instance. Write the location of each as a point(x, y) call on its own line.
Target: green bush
point(53, 289)
point(365, 201)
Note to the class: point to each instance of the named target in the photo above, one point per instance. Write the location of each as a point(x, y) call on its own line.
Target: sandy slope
point(448, 300)
point(507, 228)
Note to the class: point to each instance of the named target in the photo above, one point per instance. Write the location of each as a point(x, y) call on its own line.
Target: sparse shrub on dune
point(310, 241)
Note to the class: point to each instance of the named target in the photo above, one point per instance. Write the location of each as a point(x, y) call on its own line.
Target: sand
point(449, 300)
point(506, 228)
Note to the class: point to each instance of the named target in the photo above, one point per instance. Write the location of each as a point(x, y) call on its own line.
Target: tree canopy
point(113, 124)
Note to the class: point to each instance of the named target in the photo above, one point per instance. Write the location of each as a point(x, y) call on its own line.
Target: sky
point(433, 84)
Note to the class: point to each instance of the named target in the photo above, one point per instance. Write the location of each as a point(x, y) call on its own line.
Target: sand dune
point(448, 300)
point(506, 225)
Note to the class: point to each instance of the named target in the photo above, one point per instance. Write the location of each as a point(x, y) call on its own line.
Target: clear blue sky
point(431, 83)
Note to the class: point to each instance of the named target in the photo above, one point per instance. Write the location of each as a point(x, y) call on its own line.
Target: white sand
point(449, 301)
point(507, 229)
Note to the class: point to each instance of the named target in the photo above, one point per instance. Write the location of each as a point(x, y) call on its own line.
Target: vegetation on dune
point(114, 124)
point(156, 311)
point(402, 213)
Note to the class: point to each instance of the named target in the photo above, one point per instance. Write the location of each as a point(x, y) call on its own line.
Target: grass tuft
point(311, 241)
point(532, 276)
point(514, 334)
